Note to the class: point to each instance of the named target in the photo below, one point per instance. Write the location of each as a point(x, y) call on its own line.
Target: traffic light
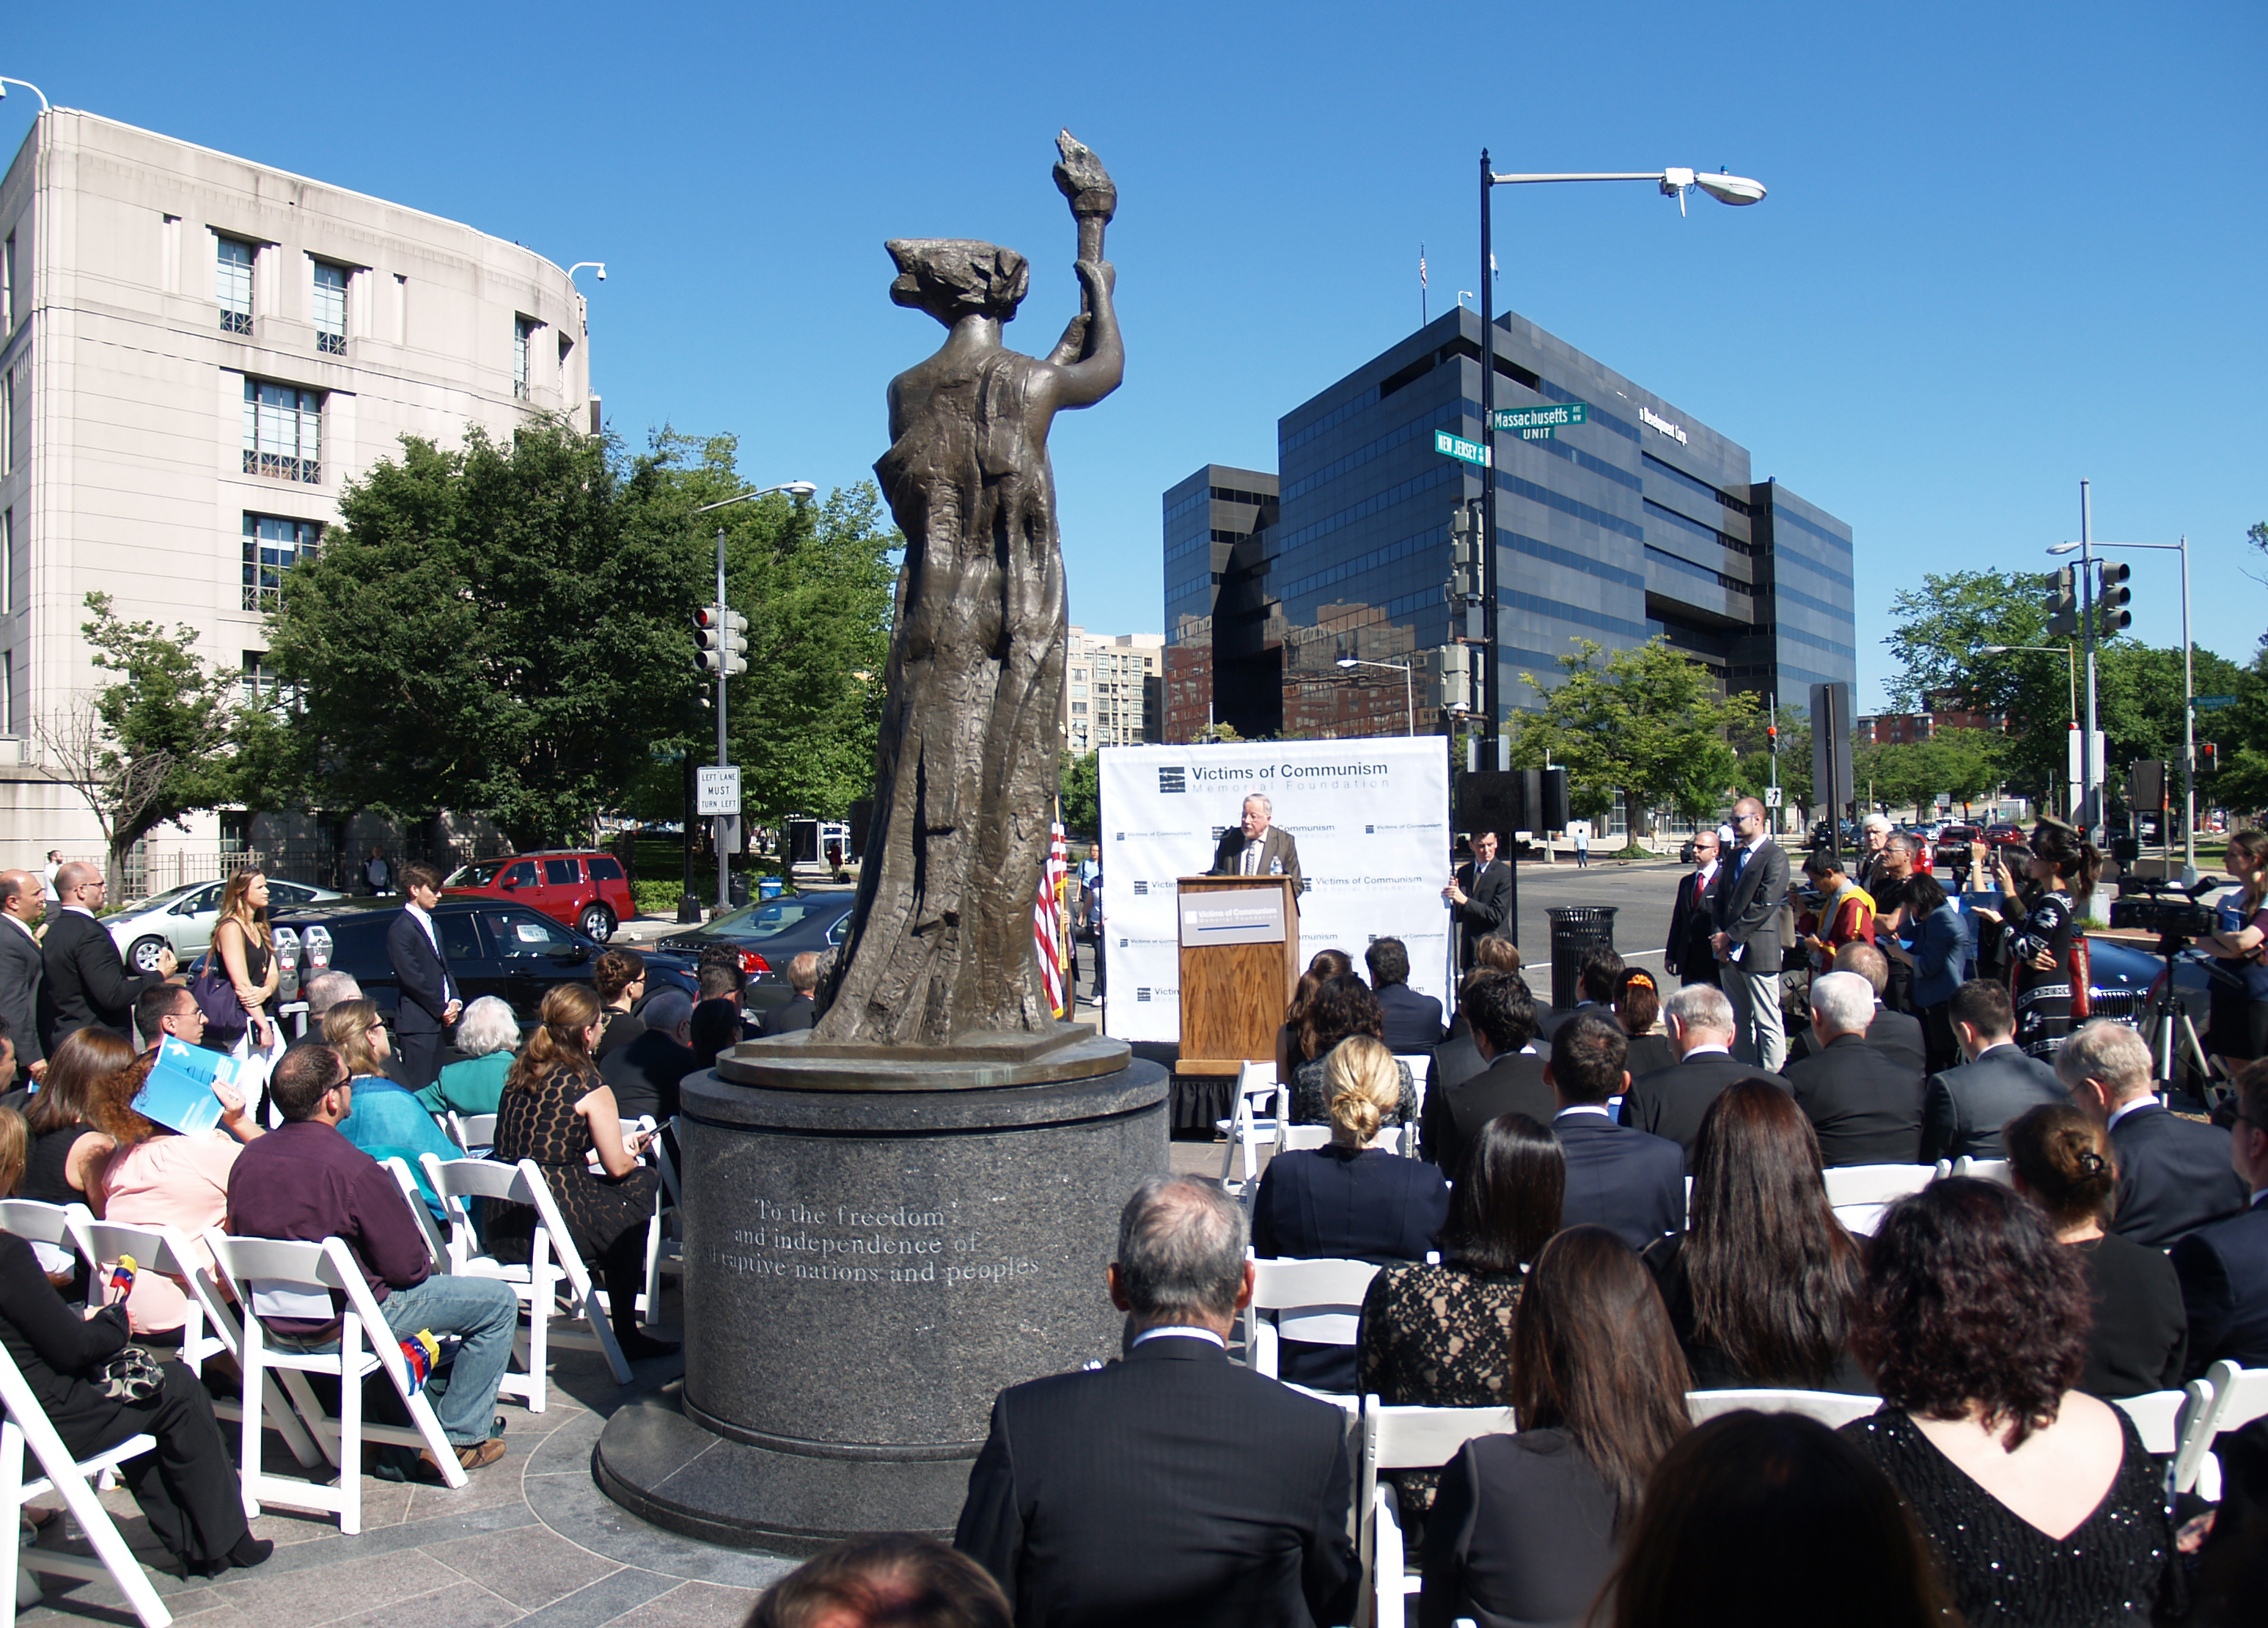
point(2208, 756)
point(2062, 603)
point(721, 641)
point(1772, 734)
point(1456, 678)
point(1465, 554)
point(2111, 615)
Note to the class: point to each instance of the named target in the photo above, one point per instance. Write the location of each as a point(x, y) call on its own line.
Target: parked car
point(494, 946)
point(2122, 977)
point(183, 918)
point(584, 890)
point(770, 933)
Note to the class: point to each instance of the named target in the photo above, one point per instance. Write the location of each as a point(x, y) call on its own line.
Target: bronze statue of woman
point(941, 947)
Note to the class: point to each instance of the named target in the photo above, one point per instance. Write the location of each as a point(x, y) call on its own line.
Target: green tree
point(1647, 721)
point(155, 744)
point(1968, 764)
point(1080, 783)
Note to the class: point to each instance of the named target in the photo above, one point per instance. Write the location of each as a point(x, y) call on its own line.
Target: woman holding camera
point(2047, 966)
point(2238, 1031)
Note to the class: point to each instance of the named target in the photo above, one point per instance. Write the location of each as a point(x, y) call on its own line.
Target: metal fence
point(317, 864)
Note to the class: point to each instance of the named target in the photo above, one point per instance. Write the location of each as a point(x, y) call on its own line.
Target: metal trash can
point(767, 887)
point(737, 890)
point(1576, 928)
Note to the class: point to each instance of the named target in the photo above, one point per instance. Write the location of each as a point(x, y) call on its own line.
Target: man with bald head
point(22, 901)
point(1746, 910)
point(84, 978)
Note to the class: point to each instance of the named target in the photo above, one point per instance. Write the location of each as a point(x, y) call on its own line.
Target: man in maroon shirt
point(309, 1183)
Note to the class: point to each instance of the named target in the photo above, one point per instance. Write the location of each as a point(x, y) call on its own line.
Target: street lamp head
point(1349, 662)
point(1994, 650)
point(1727, 188)
point(798, 489)
point(2063, 548)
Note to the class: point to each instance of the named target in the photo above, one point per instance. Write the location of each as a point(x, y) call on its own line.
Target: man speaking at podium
point(1255, 847)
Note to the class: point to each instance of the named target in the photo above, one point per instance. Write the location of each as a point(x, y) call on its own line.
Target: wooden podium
point(1240, 938)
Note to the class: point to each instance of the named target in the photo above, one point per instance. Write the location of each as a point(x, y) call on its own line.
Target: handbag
point(216, 996)
point(131, 1374)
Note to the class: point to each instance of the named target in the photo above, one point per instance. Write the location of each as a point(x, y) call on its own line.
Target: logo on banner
point(1370, 830)
point(1171, 779)
point(1141, 994)
point(1141, 890)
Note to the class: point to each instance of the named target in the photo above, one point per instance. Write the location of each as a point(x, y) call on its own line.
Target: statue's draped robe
point(966, 766)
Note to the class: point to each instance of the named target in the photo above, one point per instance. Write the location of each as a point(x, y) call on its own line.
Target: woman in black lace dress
point(555, 1109)
point(2042, 1506)
point(1441, 1335)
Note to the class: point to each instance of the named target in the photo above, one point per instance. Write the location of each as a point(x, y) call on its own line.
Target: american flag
point(1421, 265)
point(1048, 921)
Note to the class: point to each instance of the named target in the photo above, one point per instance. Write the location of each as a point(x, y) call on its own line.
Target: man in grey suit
point(1746, 910)
point(22, 901)
point(1254, 847)
point(1964, 1109)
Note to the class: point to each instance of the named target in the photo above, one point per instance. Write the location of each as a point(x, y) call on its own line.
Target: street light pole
point(1409, 687)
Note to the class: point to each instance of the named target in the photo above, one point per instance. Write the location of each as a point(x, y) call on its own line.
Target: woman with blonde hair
point(1350, 1200)
point(555, 1109)
point(383, 1119)
point(244, 945)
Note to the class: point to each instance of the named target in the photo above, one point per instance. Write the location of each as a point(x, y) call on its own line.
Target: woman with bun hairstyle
point(1351, 1200)
point(1638, 1008)
point(2062, 1161)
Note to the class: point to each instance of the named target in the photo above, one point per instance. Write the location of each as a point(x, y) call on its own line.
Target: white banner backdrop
point(1371, 820)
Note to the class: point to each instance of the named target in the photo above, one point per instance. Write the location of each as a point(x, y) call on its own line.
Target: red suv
point(584, 890)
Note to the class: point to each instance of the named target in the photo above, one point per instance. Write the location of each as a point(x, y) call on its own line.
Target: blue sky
point(2007, 246)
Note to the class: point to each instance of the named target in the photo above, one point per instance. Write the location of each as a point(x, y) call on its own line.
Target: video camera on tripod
point(2176, 915)
point(2167, 908)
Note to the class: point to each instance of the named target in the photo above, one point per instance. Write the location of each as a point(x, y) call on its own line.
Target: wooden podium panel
point(1234, 994)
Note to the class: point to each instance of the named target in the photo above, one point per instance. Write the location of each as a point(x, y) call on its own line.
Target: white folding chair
point(1319, 1302)
point(1256, 1088)
point(1831, 1407)
point(208, 1328)
point(1985, 1169)
point(27, 1425)
point(1861, 1193)
point(1406, 1438)
point(664, 1255)
point(47, 1228)
point(1294, 1138)
point(437, 1254)
point(2238, 1396)
point(475, 1133)
point(277, 1278)
point(2157, 1418)
point(552, 1260)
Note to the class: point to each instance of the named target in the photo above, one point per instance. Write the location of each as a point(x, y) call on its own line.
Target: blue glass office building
point(1641, 521)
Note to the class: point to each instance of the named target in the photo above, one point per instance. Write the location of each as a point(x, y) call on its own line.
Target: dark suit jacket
point(1487, 908)
point(423, 975)
point(1276, 845)
point(798, 1012)
point(1522, 1531)
point(84, 979)
point(1456, 1059)
point(2141, 1333)
point(2223, 1270)
point(1671, 1102)
point(1895, 1035)
point(22, 969)
point(646, 1074)
point(1866, 1107)
point(1514, 1084)
point(1171, 1487)
point(1964, 1109)
point(1747, 908)
point(2173, 1177)
point(1413, 1021)
point(1687, 953)
point(1623, 1180)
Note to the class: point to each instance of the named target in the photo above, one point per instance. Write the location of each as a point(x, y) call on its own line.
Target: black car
point(770, 933)
point(494, 947)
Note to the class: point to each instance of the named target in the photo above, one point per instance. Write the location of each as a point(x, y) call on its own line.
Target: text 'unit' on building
point(1629, 520)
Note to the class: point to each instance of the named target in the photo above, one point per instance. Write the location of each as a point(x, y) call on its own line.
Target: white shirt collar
point(1707, 1047)
point(2145, 1100)
point(1599, 1108)
point(82, 910)
point(1755, 842)
point(1178, 1333)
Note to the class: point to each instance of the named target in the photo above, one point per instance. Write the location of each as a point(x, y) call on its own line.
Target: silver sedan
point(184, 916)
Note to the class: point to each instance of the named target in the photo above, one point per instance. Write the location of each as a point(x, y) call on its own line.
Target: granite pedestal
point(877, 1242)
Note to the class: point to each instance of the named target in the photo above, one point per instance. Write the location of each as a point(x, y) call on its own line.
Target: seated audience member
point(1342, 1007)
point(187, 1488)
point(2041, 1500)
point(1774, 1520)
point(68, 1148)
point(646, 1074)
point(1631, 1183)
point(1223, 1497)
point(620, 979)
point(1939, 961)
point(488, 1034)
point(1524, 1528)
point(709, 1031)
point(158, 1177)
point(1596, 975)
point(2223, 1266)
point(1638, 1008)
point(1413, 1021)
point(722, 980)
point(2061, 1159)
point(1865, 1107)
point(892, 1580)
point(1511, 1080)
point(1351, 1200)
point(1291, 1048)
point(384, 1120)
point(167, 1011)
point(1845, 913)
point(327, 989)
point(1439, 1334)
point(1896, 1035)
point(800, 1010)
point(304, 1180)
point(2175, 1174)
point(1671, 1102)
point(1963, 1108)
point(1763, 1287)
point(1490, 954)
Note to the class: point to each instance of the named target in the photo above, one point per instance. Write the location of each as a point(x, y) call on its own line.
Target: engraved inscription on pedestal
point(854, 1245)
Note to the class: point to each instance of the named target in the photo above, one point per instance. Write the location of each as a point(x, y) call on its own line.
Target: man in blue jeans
point(305, 1182)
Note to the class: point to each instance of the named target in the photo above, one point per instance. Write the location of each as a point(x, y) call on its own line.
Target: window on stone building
point(233, 284)
point(272, 545)
point(282, 431)
point(523, 330)
point(330, 308)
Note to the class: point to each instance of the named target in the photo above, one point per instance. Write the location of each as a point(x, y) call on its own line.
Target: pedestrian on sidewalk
point(1583, 845)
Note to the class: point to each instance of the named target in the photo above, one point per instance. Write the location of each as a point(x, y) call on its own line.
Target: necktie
point(1252, 858)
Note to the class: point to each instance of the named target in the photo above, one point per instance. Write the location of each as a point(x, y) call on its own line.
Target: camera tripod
point(2173, 1038)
